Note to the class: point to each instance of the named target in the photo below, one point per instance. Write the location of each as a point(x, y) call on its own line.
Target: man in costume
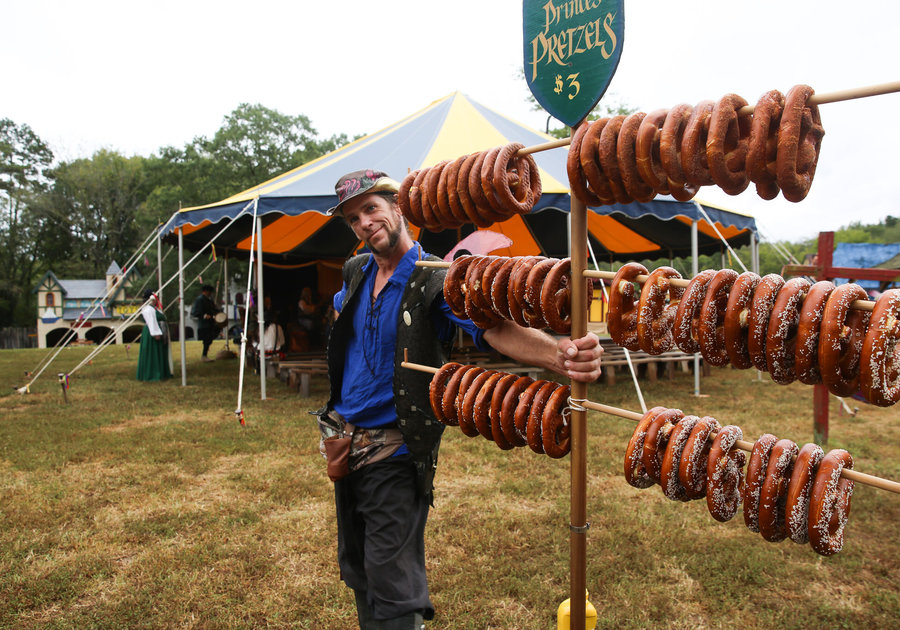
point(204, 311)
point(387, 304)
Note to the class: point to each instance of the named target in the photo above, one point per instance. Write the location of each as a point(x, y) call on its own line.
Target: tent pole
point(181, 338)
point(695, 269)
point(578, 524)
point(754, 253)
point(225, 274)
point(159, 279)
point(260, 306)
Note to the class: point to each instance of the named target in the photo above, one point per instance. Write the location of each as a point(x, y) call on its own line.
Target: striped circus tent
point(296, 229)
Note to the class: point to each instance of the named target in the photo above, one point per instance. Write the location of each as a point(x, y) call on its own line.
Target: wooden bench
point(614, 357)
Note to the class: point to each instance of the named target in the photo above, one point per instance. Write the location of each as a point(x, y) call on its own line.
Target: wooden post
point(820, 392)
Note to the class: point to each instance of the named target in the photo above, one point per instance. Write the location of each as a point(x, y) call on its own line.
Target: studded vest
point(416, 334)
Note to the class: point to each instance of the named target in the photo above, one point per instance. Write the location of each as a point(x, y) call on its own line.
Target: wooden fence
point(12, 338)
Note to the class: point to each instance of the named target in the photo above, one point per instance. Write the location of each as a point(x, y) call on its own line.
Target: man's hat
point(360, 183)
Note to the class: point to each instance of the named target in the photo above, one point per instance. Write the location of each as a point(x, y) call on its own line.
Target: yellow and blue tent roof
point(293, 204)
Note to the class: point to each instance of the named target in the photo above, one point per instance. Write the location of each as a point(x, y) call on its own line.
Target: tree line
point(75, 217)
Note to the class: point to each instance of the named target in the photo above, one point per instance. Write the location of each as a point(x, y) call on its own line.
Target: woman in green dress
point(154, 359)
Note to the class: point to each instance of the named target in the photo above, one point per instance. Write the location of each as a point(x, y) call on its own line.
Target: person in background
point(388, 304)
point(204, 311)
point(154, 358)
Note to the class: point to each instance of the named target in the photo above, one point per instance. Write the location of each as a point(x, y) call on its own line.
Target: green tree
point(24, 158)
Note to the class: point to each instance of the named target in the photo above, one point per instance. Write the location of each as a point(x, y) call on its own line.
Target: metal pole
point(259, 309)
point(181, 306)
point(225, 275)
point(578, 524)
point(159, 278)
point(754, 253)
point(695, 269)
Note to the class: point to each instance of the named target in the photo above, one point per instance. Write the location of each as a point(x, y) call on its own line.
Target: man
point(204, 311)
point(387, 304)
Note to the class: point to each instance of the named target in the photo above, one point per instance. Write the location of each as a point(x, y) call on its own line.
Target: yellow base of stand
point(563, 615)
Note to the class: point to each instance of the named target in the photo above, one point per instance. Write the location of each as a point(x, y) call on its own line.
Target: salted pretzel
point(481, 406)
point(523, 406)
point(646, 151)
point(754, 479)
point(409, 197)
point(727, 144)
point(469, 396)
point(829, 503)
point(449, 406)
point(806, 356)
point(556, 297)
point(737, 315)
point(455, 285)
point(484, 205)
point(462, 191)
point(781, 335)
point(622, 316)
point(588, 158)
point(435, 220)
point(533, 424)
point(488, 279)
point(437, 388)
point(711, 326)
point(477, 308)
point(695, 457)
point(515, 290)
point(724, 474)
point(656, 310)
point(608, 152)
point(496, 409)
point(841, 339)
point(448, 185)
point(685, 329)
point(577, 177)
point(763, 144)
point(533, 285)
point(517, 181)
point(693, 145)
point(508, 411)
point(799, 140)
point(499, 296)
point(668, 472)
point(656, 441)
point(758, 320)
point(555, 427)
point(635, 186)
point(879, 372)
point(796, 507)
point(670, 145)
point(635, 473)
point(773, 494)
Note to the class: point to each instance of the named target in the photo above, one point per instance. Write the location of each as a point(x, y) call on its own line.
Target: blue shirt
point(367, 393)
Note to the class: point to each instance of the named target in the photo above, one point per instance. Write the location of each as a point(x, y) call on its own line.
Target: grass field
point(148, 506)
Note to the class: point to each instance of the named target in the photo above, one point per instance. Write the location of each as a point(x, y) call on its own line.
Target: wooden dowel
point(863, 478)
point(815, 99)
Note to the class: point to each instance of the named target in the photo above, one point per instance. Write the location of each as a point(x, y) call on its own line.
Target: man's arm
point(578, 359)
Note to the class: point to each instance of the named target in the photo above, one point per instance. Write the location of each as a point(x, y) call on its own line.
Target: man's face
point(375, 221)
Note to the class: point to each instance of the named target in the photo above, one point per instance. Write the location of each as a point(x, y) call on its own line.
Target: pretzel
point(448, 218)
point(711, 325)
point(488, 279)
point(622, 314)
point(435, 220)
point(693, 145)
point(555, 429)
point(763, 144)
point(758, 320)
point(523, 407)
point(670, 143)
point(796, 507)
point(449, 406)
point(773, 494)
point(438, 386)
point(724, 474)
point(668, 473)
point(409, 197)
point(655, 442)
point(469, 395)
point(806, 357)
point(695, 457)
point(879, 372)
point(635, 473)
point(508, 411)
point(477, 308)
point(449, 186)
point(533, 285)
point(533, 426)
point(515, 290)
point(781, 336)
point(516, 194)
point(481, 406)
point(480, 190)
point(737, 314)
point(754, 479)
point(455, 285)
point(499, 296)
point(501, 387)
point(556, 297)
point(727, 143)
point(687, 317)
point(636, 187)
point(646, 151)
point(799, 140)
point(609, 161)
point(462, 389)
point(829, 503)
point(581, 157)
point(841, 340)
point(656, 317)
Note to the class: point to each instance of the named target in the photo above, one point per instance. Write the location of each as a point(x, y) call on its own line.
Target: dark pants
point(206, 335)
point(381, 537)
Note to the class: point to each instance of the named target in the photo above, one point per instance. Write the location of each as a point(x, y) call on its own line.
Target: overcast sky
point(135, 76)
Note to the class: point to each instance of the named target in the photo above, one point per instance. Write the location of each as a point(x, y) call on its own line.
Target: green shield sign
point(571, 49)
